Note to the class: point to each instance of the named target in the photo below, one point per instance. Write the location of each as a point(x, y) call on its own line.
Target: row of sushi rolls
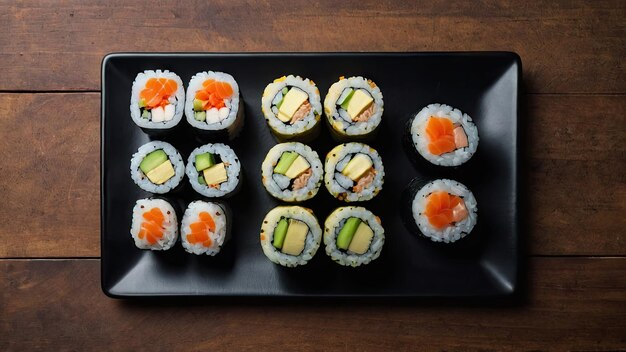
point(443, 210)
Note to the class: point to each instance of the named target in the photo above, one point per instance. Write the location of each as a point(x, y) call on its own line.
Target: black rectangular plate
point(484, 84)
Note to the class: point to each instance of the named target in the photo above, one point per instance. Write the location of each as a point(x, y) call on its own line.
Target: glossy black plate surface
point(485, 263)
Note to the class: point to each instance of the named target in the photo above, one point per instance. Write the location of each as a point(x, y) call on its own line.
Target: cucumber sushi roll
point(156, 100)
point(290, 235)
point(444, 135)
point(291, 106)
point(292, 172)
point(157, 167)
point(353, 172)
point(154, 225)
point(214, 170)
point(213, 103)
point(353, 236)
point(353, 107)
point(204, 228)
point(444, 210)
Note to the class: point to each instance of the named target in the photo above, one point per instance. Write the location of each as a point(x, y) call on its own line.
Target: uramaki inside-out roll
point(292, 172)
point(353, 172)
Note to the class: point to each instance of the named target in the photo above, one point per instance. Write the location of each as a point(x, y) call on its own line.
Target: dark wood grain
point(50, 180)
point(566, 46)
point(572, 304)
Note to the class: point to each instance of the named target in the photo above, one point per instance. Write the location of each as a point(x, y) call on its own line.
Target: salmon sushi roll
point(443, 210)
point(292, 172)
point(353, 108)
point(292, 107)
point(214, 105)
point(443, 135)
point(154, 225)
point(157, 100)
point(157, 167)
point(353, 172)
point(204, 228)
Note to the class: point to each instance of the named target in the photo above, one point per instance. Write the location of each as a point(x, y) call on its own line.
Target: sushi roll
point(353, 107)
point(353, 236)
point(154, 225)
point(156, 100)
point(443, 135)
point(443, 210)
point(213, 104)
point(204, 228)
point(292, 172)
point(290, 235)
point(353, 172)
point(292, 107)
point(157, 167)
point(214, 170)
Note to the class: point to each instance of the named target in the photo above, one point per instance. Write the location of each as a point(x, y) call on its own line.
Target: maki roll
point(290, 236)
point(443, 210)
point(353, 172)
point(213, 104)
point(353, 236)
point(204, 228)
point(156, 100)
point(291, 105)
point(157, 167)
point(353, 107)
point(154, 225)
point(443, 135)
point(214, 170)
point(292, 172)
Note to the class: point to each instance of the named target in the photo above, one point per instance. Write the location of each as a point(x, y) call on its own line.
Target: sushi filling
point(292, 171)
point(202, 230)
point(444, 136)
point(157, 167)
point(157, 101)
point(355, 172)
point(444, 209)
point(290, 236)
point(212, 103)
point(354, 236)
point(356, 105)
point(291, 104)
point(212, 171)
point(153, 225)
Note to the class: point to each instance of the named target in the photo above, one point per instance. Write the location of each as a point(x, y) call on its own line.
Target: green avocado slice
point(286, 159)
point(347, 232)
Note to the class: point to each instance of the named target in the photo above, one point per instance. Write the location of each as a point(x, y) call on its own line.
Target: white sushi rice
point(142, 180)
point(420, 139)
point(335, 181)
point(338, 118)
point(277, 184)
point(233, 170)
point(170, 224)
point(334, 223)
point(140, 83)
point(450, 233)
point(218, 213)
point(233, 122)
point(311, 244)
point(270, 94)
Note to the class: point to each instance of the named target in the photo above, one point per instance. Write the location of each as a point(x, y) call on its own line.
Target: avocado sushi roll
point(290, 235)
point(157, 167)
point(353, 172)
point(353, 236)
point(204, 228)
point(213, 104)
point(292, 108)
point(353, 107)
point(292, 172)
point(443, 210)
point(214, 170)
point(154, 225)
point(443, 135)
point(157, 100)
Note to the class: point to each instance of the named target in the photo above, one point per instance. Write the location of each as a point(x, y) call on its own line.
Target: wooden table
point(574, 73)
